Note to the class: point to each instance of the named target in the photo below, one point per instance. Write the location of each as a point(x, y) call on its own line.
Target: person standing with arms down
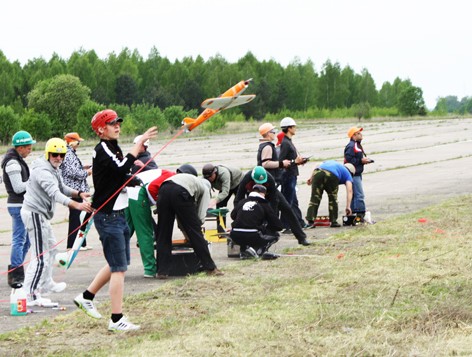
point(354, 154)
point(75, 176)
point(290, 174)
point(15, 175)
point(110, 169)
point(44, 188)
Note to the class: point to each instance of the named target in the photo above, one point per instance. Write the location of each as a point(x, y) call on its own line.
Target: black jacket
point(245, 187)
point(353, 154)
point(253, 213)
point(277, 172)
point(144, 157)
point(109, 173)
point(289, 152)
point(14, 197)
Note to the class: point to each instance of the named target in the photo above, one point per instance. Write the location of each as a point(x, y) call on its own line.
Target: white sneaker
point(251, 252)
point(40, 301)
point(122, 325)
point(87, 306)
point(57, 287)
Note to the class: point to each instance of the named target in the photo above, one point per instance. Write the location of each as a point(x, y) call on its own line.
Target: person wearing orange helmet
point(267, 155)
point(110, 172)
point(74, 175)
point(354, 154)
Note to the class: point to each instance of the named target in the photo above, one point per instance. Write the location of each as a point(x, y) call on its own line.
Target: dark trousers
point(74, 223)
point(286, 211)
point(261, 243)
point(289, 190)
point(175, 201)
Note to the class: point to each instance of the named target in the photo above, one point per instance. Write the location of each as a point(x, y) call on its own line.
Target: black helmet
point(187, 169)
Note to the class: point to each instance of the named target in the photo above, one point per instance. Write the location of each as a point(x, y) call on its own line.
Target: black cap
point(208, 170)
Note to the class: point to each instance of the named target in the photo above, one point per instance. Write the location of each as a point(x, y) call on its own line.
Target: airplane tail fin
point(188, 122)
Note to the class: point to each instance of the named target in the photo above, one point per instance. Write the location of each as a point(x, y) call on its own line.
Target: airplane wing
point(227, 102)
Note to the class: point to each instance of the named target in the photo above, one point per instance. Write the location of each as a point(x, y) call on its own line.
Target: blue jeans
point(357, 204)
point(114, 235)
point(20, 243)
point(289, 185)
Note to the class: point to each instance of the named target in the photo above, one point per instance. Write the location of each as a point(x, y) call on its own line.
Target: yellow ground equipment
point(217, 234)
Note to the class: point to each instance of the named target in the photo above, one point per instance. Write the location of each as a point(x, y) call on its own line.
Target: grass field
point(398, 288)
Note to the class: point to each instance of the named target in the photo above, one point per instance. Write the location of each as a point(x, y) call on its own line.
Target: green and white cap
point(22, 138)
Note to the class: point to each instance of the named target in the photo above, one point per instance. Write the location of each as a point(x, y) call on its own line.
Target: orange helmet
point(104, 117)
point(70, 137)
point(265, 128)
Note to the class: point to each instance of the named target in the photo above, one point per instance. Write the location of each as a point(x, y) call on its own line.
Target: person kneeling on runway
point(255, 225)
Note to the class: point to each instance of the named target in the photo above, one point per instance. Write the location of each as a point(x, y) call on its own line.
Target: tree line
point(49, 98)
point(451, 104)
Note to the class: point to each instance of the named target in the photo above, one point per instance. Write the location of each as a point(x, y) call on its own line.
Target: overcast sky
point(426, 41)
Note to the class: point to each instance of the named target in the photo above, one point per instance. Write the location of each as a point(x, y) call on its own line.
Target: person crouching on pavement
point(255, 225)
point(186, 197)
point(44, 188)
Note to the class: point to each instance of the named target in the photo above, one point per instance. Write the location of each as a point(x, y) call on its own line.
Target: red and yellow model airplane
point(231, 98)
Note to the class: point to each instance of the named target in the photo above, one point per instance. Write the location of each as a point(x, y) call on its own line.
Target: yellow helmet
point(55, 145)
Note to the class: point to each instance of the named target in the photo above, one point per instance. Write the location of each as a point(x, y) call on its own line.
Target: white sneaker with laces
point(57, 287)
point(87, 306)
point(250, 251)
point(122, 325)
point(37, 300)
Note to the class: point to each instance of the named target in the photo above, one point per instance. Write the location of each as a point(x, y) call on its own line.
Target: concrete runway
point(417, 163)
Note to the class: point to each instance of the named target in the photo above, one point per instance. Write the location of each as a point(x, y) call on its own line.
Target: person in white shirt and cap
point(143, 157)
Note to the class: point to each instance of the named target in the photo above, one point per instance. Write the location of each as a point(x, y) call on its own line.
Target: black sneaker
point(303, 241)
point(335, 225)
point(287, 231)
point(269, 256)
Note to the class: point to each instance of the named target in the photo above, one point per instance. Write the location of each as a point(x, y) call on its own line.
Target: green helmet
point(259, 175)
point(22, 138)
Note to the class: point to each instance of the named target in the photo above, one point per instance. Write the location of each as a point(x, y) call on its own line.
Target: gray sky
point(427, 41)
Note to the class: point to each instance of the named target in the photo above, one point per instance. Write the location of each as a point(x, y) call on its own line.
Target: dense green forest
point(49, 98)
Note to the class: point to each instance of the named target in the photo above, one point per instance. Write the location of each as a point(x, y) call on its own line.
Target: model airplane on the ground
point(231, 98)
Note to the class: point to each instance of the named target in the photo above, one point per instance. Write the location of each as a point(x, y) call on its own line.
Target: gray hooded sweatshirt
point(45, 187)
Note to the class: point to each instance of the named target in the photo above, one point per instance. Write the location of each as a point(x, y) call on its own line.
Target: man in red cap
point(110, 172)
point(354, 154)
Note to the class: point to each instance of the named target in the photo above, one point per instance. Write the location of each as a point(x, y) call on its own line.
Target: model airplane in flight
point(229, 99)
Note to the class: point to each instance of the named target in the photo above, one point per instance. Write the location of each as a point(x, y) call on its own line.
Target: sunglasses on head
point(55, 154)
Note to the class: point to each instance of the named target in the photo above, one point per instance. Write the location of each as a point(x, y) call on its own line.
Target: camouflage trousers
point(322, 181)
